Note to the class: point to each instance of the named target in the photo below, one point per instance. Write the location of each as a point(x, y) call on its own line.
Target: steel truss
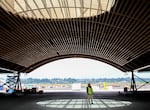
point(133, 82)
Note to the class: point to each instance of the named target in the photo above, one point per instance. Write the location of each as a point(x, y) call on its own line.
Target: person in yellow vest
point(89, 91)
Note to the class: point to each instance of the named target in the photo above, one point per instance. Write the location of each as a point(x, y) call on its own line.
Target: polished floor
point(76, 101)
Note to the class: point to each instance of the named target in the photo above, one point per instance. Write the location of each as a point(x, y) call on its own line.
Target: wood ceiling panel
point(119, 36)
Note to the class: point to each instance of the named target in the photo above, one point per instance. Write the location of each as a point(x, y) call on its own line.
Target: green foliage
point(72, 80)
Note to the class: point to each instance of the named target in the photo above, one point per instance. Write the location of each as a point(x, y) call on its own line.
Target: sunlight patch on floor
point(83, 103)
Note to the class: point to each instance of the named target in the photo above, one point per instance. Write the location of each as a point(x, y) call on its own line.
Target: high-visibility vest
point(89, 90)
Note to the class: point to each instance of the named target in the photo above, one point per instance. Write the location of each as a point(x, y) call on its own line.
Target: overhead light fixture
point(58, 54)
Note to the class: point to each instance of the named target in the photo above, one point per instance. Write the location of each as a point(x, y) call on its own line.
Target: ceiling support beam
point(142, 68)
point(7, 70)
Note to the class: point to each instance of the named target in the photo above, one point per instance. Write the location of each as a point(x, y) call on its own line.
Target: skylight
point(57, 9)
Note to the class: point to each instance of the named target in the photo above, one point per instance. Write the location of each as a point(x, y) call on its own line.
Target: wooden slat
point(119, 36)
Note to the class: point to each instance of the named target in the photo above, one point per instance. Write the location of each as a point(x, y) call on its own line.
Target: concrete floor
point(76, 101)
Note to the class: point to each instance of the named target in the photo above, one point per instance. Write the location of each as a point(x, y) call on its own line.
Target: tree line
point(74, 80)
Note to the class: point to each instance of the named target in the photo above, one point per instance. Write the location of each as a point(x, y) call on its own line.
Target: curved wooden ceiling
point(120, 38)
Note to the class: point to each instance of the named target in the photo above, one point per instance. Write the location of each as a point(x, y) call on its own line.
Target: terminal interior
point(36, 32)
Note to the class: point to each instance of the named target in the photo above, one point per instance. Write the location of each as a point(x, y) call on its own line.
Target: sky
point(76, 68)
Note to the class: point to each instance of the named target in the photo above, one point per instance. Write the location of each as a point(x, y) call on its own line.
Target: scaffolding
point(13, 81)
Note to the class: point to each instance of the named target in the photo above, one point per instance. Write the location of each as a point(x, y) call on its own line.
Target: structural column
point(133, 84)
point(18, 82)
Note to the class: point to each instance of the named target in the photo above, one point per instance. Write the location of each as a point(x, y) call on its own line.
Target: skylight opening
point(57, 9)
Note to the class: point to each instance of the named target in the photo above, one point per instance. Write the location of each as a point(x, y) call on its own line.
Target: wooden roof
point(120, 38)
